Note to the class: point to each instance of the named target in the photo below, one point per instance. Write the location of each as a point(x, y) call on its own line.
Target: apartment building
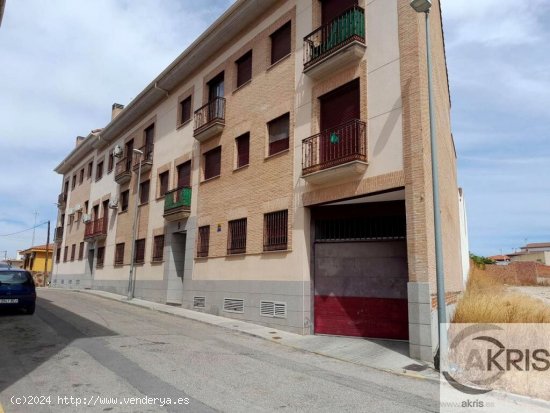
point(282, 175)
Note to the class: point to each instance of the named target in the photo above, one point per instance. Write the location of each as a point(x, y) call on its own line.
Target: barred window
point(236, 236)
point(119, 254)
point(73, 251)
point(100, 256)
point(203, 241)
point(279, 134)
point(139, 256)
point(158, 248)
point(81, 251)
point(276, 231)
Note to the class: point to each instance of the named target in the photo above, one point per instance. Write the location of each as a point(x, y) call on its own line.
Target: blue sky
point(63, 63)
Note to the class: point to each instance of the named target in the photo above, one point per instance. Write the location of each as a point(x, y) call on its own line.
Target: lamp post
point(423, 6)
point(134, 230)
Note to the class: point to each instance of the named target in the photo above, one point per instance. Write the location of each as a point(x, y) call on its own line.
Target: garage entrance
point(361, 271)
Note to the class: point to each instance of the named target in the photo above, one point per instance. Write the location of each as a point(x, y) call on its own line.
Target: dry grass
point(487, 301)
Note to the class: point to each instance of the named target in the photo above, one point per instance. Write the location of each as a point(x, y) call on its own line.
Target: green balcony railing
point(328, 38)
point(177, 198)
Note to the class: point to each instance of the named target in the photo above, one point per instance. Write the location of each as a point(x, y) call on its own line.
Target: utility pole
point(34, 227)
point(47, 254)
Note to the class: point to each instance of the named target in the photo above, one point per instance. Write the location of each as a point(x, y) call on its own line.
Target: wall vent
point(199, 302)
point(233, 305)
point(274, 309)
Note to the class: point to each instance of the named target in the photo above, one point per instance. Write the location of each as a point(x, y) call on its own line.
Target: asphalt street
point(85, 353)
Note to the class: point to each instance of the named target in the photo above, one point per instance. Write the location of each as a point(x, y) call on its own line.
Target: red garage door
point(361, 277)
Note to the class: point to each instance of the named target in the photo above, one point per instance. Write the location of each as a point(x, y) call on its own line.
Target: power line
point(24, 230)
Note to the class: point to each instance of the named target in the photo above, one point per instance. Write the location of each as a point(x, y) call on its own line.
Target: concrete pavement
point(386, 355)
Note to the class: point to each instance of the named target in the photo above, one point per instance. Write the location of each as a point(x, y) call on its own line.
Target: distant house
point(535, 252)
point(501, 259)
point(34, 258)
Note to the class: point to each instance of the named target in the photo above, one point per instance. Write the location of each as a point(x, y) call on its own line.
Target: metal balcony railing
point(177, 198)
point(328, 38)
point(147, 157)
point(209, 113)
point(122, 167)
point(96, 228)
point(336, 146)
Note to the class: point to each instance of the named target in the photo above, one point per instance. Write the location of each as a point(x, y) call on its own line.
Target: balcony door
point(215, 90)
point(331, 9)
point(338, 108)
point(184, 174)
point(129, 153)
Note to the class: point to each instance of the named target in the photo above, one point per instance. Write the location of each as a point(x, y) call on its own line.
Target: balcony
point(96, 229)
point(146, 158)
point(336, 154)
point(123, 173)
point(62, 200)
point(335, 45)
point(177, 204)
point(58, 237)
point(209, 119)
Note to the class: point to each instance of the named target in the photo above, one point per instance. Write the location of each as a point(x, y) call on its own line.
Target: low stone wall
point(519, 273)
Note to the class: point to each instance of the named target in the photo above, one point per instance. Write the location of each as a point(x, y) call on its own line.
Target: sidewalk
point(386, 355)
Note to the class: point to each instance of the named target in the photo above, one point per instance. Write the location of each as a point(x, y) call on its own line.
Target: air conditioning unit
point(86, 218)
point(70, 211)
point(113, 203)
point(118, 151)
point(77, 207)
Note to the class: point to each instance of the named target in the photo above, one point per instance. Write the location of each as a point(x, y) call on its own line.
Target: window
point(144, 192)
point(119, 254)
point(244, 69)
point(100, 256)
point(280, 43)
point(163, 183)
point(236, 236)
point(71, 219)
point(73, 184)
point(185, 110)
point(184, 174)
point(111, 163)
point(65, 253)
point(278, 134)
point(212, 163)
point(243, 150)
point(124, 200)
point(158, 248)
point(149, 139)
point(57, 255)
point(81, 177)
point(90, 167)
point(73, 251)
point(203, 241)
point(81, 251)
point(99, 171)
point(139, 256)
point(85, 207)
point(276, 231)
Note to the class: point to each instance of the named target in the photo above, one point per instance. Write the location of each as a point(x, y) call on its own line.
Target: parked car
point(17, 289)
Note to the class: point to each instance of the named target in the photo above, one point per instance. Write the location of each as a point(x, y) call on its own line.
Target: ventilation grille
point(273, 309)
point(233, 305)
point(199, 302)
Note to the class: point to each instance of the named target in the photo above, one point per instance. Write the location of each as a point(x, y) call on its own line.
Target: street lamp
point(423, 6)
point(134, 230)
